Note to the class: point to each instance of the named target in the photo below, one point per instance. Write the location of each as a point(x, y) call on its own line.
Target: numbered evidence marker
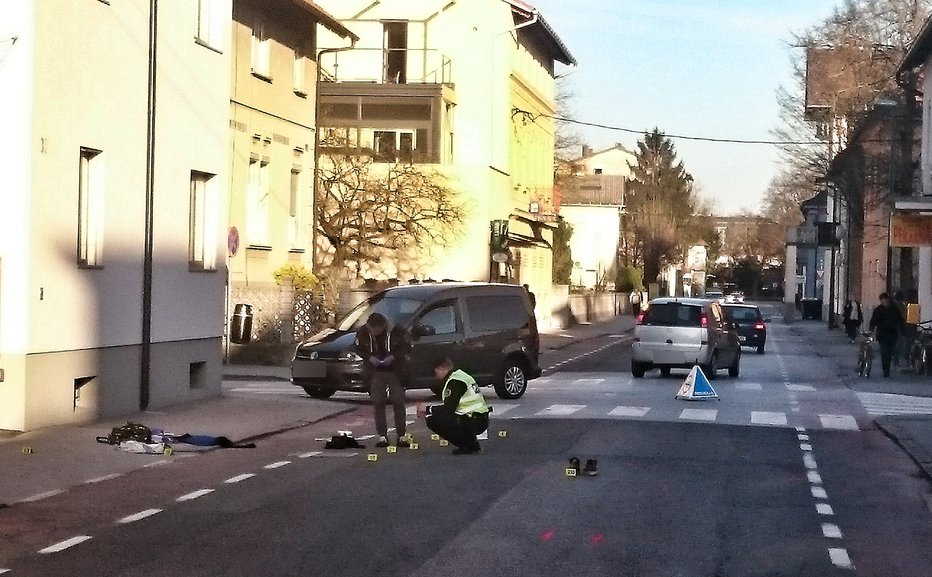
point(167, 451)
point(503, 434)
point(391, 449)
point(570, 472)
point(27, 450)
point(444, 442)
point(373, 457)
point(413, 446)
point(435, 437)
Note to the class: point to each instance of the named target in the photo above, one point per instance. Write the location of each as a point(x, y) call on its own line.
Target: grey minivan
point(682, 332)
point(489, 330)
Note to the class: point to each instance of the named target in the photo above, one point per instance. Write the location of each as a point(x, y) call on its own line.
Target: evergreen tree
point(660, 203)
point(562, 255)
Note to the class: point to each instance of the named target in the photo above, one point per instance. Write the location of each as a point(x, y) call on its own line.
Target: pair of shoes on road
point(403, 443)
point(468, 450)
point(382, 442)
point(591, 467)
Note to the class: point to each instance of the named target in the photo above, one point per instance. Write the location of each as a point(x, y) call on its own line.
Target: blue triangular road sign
point(696, 386)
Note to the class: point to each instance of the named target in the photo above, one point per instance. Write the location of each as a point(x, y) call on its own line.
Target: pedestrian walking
point(852, 319)
point(386, 353)
point(888, 322)
point(531, 296)
point(635, 299)
point(464, 412)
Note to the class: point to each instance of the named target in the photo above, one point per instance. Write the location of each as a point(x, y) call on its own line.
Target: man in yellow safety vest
point(464, 412)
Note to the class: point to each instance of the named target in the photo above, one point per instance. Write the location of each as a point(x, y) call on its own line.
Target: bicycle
point(865, 354)
point(920, 349)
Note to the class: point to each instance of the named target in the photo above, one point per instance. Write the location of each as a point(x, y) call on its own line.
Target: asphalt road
point(785, 475)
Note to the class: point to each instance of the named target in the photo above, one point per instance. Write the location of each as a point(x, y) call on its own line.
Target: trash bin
point(812, 309)
point(241, 324)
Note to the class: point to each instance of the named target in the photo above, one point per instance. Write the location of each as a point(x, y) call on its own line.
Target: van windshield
point(398, 311)
point(673, 315)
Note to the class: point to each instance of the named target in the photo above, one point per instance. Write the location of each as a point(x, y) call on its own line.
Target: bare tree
point(367, 211)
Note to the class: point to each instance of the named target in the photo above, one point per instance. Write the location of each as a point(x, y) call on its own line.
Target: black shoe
point(574, 464)
point(382, 442)
point(403, 443)
point(591, 468)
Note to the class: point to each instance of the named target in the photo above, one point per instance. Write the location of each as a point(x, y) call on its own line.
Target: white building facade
point(111, 221)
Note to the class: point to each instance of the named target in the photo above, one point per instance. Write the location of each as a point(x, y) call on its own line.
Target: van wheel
point(512, 381)
point(318, 392)
point(735, 369)
point(760, 349)
point(637, 370)
point(711, 368)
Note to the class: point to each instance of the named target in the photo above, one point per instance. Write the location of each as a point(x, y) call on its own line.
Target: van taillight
point(704, 320)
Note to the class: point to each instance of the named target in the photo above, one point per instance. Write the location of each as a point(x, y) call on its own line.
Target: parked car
point(714, 295)
point(489, 330)
point(679, 333)
point(735, 297)
point(750, 325)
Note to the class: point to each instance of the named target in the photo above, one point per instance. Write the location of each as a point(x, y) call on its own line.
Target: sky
point(708, 68)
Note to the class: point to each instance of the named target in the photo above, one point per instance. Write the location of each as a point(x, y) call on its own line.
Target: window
point(497, 313)
point(261, 52)
point(294, 216)
point(441, 318)
point(394, 145)
point(300, 72)
point(90, 208)
point(257, 214)
point(673, 315)
point(211, 22)
point(202, 223)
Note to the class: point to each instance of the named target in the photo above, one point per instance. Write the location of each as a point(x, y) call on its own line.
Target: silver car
point(678, 333)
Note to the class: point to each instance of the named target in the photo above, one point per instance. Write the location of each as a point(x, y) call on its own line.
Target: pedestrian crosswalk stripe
point(748, 386)
point(844, 422)
point(588, 381)
point(699, 414)
point(800, 388)
point(502, 409)
point(561, 410)
point(889, 404)
point(765, 418)
point(629, 411)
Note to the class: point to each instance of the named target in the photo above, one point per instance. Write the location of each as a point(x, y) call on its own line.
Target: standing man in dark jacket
point(888, 322)
point(386, 354)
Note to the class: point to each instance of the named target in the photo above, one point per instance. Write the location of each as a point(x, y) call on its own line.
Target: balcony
point(387, 66)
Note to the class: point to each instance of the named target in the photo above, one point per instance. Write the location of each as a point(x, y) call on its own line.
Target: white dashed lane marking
point(814, 477)
point(840, 558)
point(765, 418)
point(824, 509)
point(104, 478)
point(138, 516)
point(809, 461)
point(819, 493)
point(629, 411)
point(41, 496)
point(699, 414)
point(239, 478)
point(195, 495)
point(558, 410)
point(276, 464)
point(65, 544)
point(844, 422)
point(800, 388)
point(831, 530)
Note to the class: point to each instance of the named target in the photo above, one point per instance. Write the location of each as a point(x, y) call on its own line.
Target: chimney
point(586, 150)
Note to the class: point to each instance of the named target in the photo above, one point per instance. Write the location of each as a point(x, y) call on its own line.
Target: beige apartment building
point(114, 166)
point(272, 105)
point(464, 87)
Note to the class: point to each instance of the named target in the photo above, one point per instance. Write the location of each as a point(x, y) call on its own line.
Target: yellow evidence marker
point(167, 451)
point(27, 450)
point(373, 457)
point(444, 442)
point(435, 437)
point(570, 472)
point(503, 434)
point(413, 446)
point(391, 449)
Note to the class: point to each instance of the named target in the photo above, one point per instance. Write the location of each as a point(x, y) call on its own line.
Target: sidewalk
point(913, 433)
point(59, 458)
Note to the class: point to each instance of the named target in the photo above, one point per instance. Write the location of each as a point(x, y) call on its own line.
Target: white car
point(717, 296)
point(736, 297)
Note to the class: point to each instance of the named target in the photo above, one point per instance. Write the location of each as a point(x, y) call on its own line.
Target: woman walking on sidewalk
point(853, 318)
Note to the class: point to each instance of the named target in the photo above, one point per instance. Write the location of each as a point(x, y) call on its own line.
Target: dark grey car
point(489, 330)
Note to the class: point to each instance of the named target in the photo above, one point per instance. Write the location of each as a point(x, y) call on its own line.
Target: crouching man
point(464, 412)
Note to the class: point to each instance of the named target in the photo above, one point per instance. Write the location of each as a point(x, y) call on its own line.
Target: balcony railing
point(387, 66)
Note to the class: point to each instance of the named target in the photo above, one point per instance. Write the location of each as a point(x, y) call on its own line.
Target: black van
point(489, 330)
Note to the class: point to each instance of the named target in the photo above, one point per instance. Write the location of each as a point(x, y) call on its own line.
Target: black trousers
point(887, 349)
point(460, 430)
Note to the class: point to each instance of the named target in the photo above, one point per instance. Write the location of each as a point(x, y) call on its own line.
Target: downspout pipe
point(148, 249)
point(316, 185)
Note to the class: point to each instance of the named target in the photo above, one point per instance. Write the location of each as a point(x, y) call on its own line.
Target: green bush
point(628, 278)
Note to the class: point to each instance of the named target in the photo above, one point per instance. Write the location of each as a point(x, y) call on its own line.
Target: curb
point(913, 450)
point(242, 377)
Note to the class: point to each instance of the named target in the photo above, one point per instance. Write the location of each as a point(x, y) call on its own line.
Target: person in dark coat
point(888, 323)
point(386, 358)
point(853, 318)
